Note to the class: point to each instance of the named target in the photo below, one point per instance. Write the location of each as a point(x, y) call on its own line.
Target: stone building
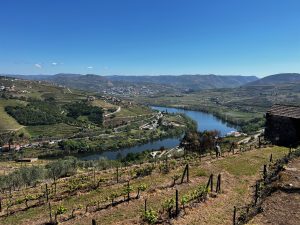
point(283, 125)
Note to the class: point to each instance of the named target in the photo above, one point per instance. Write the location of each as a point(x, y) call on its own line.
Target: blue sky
point(137, 37)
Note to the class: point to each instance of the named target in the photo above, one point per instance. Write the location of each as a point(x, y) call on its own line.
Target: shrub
point(150, 216)
point(141, 187)
point(175, 178)
point(141, 172)
point(184, 200)
point(169, 204)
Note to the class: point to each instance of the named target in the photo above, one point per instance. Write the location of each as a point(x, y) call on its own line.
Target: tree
point(199, 142)
point(191, 142)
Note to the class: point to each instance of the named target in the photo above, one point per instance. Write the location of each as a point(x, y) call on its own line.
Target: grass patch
point(250, 163)
point(6, 121)
point(201, 172)
point(104, 104)
point(133, 111)
point(55, 130)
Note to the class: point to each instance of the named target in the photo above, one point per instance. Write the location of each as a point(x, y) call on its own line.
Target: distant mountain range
point(194, 82)
point(277, 79)
point(163, 83)
point(98, 83)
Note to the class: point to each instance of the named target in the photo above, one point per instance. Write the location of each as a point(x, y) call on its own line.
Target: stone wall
point(282, 130)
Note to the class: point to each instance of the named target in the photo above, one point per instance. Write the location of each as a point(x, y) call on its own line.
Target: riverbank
point(163, 132)
point(204, 120)
point(232, 107)
point(130, 139)
point(244, 122)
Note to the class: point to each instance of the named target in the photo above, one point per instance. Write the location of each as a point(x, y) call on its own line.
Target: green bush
point(150, 216)
point(60, 210)
point(141, 172)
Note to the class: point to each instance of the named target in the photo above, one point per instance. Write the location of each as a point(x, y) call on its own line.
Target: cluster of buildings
point(18, 147)
point(129, 91)
point(116, 101)
point(155, 123)
point(152, 125)
point(8, 88)
point(235, 134)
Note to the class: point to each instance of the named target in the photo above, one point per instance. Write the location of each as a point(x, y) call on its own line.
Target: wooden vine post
point(234, 216)
point(50, 212)
point(117, 174)
point(47, 192)
point(177, 206)
point(210, 182)
point(265, 172)
point(55, 187)
point(271, 158)
point(128, 192)
point(145, 205)
point(94, 222)
point(166, 161)
point(0, 204)
point(256, 193)
point(94, 175)
point(218, 187)
point(186, 172)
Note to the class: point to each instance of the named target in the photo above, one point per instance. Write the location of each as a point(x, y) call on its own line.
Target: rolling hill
point(195, 82)
point(277, 79)
point(164, 83)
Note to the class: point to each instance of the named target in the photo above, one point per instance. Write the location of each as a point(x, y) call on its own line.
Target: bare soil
point(282, 207)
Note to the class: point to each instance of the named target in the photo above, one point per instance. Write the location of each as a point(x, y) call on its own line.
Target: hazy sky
point(248, 37)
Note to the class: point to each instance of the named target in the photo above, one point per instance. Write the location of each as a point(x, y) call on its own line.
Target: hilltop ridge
point(277, 79)
point(162, 83)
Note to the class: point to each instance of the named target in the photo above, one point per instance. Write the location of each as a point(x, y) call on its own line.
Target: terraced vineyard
point(97, 195)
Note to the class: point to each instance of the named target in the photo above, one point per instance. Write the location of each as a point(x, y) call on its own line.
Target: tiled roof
point(285, 111)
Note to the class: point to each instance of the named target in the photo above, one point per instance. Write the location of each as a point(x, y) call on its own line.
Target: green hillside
point(8, 123)
point(277, 79)
point(41, 110)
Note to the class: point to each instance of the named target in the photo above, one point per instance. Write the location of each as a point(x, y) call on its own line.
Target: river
point(205, 121)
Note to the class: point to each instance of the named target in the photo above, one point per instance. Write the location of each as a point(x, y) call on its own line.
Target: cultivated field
point(80, 197)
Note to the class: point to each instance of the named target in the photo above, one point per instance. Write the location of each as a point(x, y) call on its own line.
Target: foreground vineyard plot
point(83, 195)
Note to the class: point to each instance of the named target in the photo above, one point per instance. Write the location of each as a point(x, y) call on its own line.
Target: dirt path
point(283, 206)
point(109, 114)
point(16, 129)
point(247, 139)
